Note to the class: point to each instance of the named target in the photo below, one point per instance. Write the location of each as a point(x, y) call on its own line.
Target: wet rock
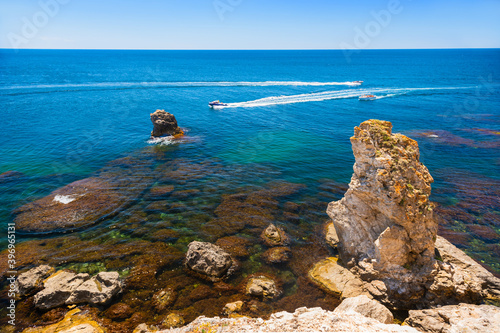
point(263, 287)
point(97, 290)
point(233, 307)
point(335, 279)
point(69, 288)
point(237, 246)
point(33, 278)
point(456, 318)
point(119, 311)
point(277, 255)
point(331, 235)
point(173, 320)
point(164, 123)
point(367, 307)
point(164, 298)
point(159, 192)
point(274, 236)
point(75, 321)
point(57, 289)
point(208, 260)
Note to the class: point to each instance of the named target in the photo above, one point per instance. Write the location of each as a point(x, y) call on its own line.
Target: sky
point(249, 24)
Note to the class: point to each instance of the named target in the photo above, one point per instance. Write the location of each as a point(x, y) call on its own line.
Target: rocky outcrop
point(164, 123)
point(337, 280)
point(302, 320)
point(367, 307)
point(65, 287)
point(32, 279)
point(456, 318)
point(209, 261)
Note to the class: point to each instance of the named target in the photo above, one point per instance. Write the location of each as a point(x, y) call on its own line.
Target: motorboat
point(217, 104)
point(358, 82)
point(367, 97)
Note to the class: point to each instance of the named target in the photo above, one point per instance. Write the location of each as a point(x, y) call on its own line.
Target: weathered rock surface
point(97, 290)
point(335, 279)
point(274, 236)
point(331, 235)
point(164, 123)
point(263, 287)
point(367, 307)
point(456, 318)
point(69, 288)
point(302, 320)
point(208, 260)
point(32, 279)
point(233, 307)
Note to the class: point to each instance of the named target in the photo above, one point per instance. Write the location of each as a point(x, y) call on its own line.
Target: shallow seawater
point(278, 154)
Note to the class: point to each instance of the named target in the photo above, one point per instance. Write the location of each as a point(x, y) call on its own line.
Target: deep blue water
point(66, 113)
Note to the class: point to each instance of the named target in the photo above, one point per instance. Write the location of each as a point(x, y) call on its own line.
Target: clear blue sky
point(249, 24)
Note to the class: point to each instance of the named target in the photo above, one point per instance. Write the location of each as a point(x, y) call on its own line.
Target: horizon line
point(290, 49)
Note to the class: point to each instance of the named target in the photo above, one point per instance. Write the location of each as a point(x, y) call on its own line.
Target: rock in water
point(32, 279)
point(209, 260)
point(164, 123)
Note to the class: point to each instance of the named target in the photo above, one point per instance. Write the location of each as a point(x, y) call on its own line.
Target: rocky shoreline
point(384, 230)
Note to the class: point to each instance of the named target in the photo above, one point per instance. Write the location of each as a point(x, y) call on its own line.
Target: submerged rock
point(456, 318)
point(209, 260)
point(367, 307)
point(75, 321)
point(164, 123)
point(233, 307)
point(164, 298)
point(274, 236)
point(262, 286)
point(173, 320)
point(277, 255)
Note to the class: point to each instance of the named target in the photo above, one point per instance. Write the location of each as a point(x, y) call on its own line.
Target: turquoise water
point(66, 114)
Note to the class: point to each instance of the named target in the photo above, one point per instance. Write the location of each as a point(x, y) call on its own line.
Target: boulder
point(233, 307)
point(274, 236)
point(335, 279)
point(32, 279)
point(209, 260)
point(456, 318)
point(367, 307)
point(331, 235)
point(65, 287)
point(164, 123)
point(262, 286)
point(119, 311)
point(97, 290)
point(57, 289)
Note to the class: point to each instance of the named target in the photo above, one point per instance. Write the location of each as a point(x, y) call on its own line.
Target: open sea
point(67, 114)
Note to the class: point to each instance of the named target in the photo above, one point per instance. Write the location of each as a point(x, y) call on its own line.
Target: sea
point(67, 114)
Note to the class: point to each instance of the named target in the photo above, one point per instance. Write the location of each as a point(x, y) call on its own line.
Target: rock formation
point(65, 287)
point(387, 231)
point(456, 318)
point(262, 286)
point(208, 260)
point(32, 279)
point(302, 320)
point(164, 123)
point(367, 307)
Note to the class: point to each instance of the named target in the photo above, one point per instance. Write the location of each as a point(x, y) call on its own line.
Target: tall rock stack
point(385, 220)
point(164, 123)
point(387, 232)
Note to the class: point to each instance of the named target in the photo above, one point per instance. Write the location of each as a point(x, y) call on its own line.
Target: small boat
point(367, 97)
point(216, 104)
point(357, 82)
